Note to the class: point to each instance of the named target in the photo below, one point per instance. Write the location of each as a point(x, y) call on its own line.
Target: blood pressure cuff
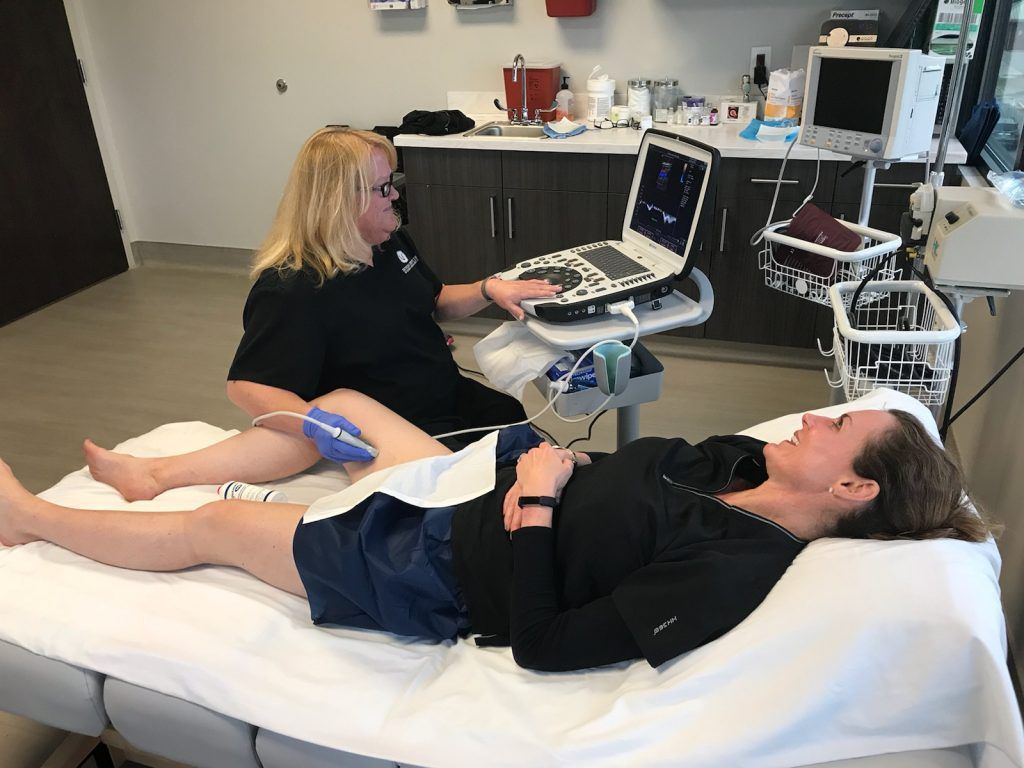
point(815, 226)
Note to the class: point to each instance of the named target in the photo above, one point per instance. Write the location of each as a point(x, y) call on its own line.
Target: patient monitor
point(871, 103)
point(973, 240)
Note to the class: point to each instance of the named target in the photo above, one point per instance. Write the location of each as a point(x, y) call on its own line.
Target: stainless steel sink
point(507, 130)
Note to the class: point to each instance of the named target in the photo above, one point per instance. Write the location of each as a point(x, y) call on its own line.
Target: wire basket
point(813, 269)
point(903, 340)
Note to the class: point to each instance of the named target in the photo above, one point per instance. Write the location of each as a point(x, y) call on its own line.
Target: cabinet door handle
point(510, 232)
point(912, 185)
point(774, 181)
point(721, 235)
point(494, 228)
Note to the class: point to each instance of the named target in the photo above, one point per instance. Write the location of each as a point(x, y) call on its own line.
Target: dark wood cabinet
point(458, 230)
point(620, 173)
point(616, 216)
point(755, 179)
point(459, 167)
point(541, 221)
point(558, 172)
point(474, 212)
point(745, 308)
point(463, 224)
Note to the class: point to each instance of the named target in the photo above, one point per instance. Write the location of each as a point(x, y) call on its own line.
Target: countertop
point(626, 141)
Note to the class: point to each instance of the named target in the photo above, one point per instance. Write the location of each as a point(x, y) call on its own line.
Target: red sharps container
point(543, 79)
point(571, 7)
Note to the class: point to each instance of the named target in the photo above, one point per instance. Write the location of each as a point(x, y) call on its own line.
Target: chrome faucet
point(522, 116)
point(519, 64)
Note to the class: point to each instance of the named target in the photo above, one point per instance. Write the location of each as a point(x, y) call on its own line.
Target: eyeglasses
point(605, 124)
point(385, 188)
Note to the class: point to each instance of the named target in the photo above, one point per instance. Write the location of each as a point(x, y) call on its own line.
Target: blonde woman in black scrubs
point(343, 300)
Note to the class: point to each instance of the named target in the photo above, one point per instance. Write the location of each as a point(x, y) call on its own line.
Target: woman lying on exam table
point(648, 552)
point(343, 299)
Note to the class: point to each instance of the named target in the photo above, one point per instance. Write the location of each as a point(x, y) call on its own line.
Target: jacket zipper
point(732, 471)
point(710, 495)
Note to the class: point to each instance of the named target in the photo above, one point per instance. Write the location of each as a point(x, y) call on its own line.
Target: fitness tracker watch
point(538, 501)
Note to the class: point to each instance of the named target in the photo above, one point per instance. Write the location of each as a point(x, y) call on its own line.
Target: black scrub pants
point(477, 405)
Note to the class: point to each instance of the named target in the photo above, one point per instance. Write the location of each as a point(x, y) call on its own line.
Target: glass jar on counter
point(638, 97)
point(666, 98)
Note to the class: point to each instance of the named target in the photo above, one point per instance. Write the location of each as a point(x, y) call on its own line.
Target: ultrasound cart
point(670, 203)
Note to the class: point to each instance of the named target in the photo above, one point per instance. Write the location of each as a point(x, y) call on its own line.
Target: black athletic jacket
point(642, 560)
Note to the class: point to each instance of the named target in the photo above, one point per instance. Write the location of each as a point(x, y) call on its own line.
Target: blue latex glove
point(329, 446)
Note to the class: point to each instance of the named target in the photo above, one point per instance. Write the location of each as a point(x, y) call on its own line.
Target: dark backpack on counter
point(439, 123)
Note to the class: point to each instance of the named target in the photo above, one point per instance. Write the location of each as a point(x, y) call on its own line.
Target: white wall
point(204, 141)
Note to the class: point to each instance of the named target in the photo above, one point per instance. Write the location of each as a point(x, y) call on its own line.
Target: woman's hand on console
point(507, 294)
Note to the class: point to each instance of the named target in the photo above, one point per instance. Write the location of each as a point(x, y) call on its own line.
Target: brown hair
point(921, 490)
point(327, 191)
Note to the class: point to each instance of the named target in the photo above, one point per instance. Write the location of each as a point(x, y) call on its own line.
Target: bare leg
point(249, 535)
point(262, 454)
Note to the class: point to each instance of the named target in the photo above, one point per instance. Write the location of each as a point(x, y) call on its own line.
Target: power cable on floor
point(590, 430)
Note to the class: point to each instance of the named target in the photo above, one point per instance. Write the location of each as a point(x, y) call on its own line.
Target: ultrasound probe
point(336, 432)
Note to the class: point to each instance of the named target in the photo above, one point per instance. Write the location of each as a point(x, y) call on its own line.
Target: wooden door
point(58, 229)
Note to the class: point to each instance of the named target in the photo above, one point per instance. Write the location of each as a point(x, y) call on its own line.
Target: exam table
point(865, 654)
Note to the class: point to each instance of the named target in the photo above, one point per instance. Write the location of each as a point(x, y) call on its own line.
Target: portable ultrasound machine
point(608, 284)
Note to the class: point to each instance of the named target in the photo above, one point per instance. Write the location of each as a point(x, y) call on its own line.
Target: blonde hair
point(327, 191)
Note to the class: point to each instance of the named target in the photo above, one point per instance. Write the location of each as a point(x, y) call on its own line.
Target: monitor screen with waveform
point(667, 199)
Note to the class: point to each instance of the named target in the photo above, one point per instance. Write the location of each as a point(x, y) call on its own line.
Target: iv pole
point(958, 80)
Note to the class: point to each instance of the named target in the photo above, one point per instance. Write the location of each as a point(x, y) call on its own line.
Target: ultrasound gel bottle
point(246, 492)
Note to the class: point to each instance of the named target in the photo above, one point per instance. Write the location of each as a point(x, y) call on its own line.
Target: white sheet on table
point(861, 648)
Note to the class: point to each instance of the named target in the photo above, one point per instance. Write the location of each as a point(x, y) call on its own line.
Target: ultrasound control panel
point(661, 230)
point(592, 276)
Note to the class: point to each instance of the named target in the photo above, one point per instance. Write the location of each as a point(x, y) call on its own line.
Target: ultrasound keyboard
point(592, 277)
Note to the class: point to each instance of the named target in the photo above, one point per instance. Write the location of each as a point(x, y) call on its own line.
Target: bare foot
point(131, 476)
point(14, 501)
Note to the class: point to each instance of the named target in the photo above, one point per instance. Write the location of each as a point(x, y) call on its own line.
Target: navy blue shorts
point(387, 565)
point(383, 565)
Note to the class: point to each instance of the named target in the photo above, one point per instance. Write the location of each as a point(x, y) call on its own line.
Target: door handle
point(721, 235)
point(494, 228)
point(774, 181)
point(510, 231)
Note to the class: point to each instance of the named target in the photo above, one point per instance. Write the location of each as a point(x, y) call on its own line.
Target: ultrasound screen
point(668, 198)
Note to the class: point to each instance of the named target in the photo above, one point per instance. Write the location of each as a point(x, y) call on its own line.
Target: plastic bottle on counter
point(600, 94)
point(564, 99)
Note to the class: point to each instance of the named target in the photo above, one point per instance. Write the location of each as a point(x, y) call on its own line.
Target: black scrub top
point(372, 331)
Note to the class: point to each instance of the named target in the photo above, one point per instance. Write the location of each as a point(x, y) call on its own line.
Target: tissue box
point(645, 378)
